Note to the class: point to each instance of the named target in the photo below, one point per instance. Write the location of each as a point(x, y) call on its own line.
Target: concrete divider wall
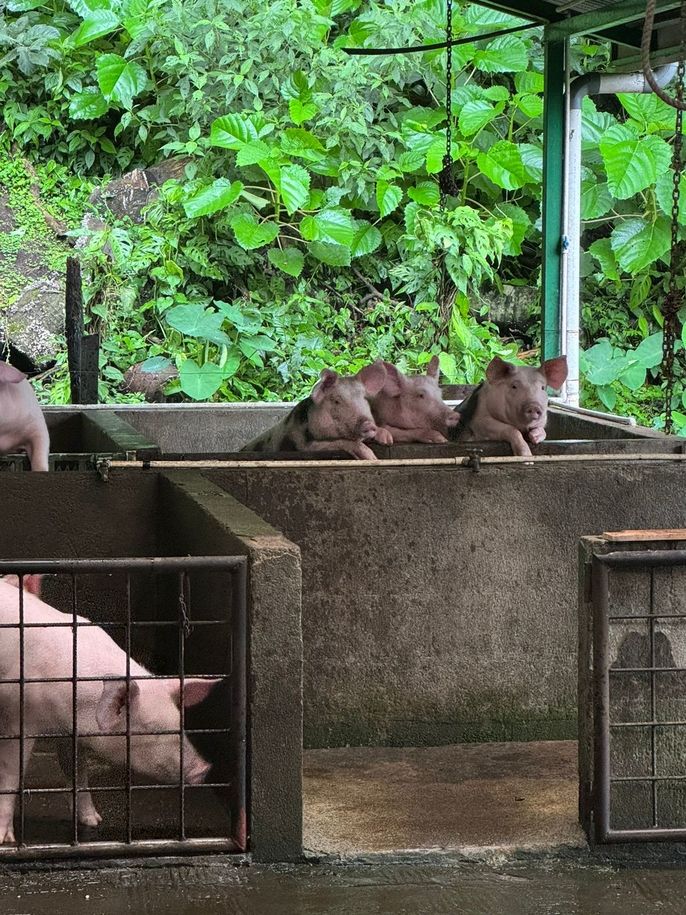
point(440, 604)
point(145, 513)
point(214, 429)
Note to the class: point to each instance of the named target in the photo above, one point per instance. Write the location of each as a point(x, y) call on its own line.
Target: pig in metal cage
point(639, 702)
point(160, 748)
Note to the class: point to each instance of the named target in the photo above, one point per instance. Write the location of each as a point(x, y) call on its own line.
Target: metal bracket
point(474, 459)
point(102, 467)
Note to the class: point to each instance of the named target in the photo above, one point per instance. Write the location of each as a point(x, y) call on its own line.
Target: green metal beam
point(598, 21)
point(528, 9)
point(554, 127)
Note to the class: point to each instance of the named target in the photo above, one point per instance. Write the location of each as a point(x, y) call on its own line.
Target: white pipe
point(591, 84)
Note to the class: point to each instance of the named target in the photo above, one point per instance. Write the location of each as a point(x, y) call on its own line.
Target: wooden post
point(82, 351)
point(74, 325)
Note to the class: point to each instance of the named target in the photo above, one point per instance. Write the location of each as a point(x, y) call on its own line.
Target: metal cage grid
point(236, 620)
point(605, 675)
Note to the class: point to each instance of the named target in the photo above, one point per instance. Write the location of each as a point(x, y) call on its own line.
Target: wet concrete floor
point(539, 888)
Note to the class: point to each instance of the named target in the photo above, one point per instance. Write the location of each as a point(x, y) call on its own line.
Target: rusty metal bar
point(139, 848)
point(74, 715)
point(22, 709)
point(653, 707)
point(239, 706)
point(129, 827)
point(182, 647)
point(134, 564)
point(601, 700)
point(642, 558)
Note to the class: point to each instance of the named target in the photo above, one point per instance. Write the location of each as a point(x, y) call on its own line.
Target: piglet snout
point(367, 429)
point(533, 412)
point(197, 773)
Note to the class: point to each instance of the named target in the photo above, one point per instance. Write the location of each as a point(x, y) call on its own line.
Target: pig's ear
point(327, 380)
point(433, 369)
point(10, 374)
point(33, 584)
point(498, 369)
point(555, 371)
point(111, 709)
point(394, 380)
point(195, 691)
point(373, 377)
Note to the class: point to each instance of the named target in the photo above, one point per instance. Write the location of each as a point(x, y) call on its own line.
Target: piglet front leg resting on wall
point(22, 425)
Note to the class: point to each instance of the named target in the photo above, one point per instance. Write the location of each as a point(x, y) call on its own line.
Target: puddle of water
point(342, 890)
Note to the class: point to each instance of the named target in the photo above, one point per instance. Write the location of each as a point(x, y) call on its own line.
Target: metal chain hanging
point(446, 181)
point(675, 296)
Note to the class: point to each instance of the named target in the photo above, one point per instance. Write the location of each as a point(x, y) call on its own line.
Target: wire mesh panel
point(122, 706)
point(639, 670)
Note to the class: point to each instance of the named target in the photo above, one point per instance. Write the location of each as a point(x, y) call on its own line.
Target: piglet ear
point(10, 374)
point(195, 690)
point(373, 377)
point(327, 380)
point(555, 371)
point(394, 380)
point(498, 369)
point(110, 712)
point(33, 584)
point(433, 369)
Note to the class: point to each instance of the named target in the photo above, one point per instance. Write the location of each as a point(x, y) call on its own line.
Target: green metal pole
point(554, 127)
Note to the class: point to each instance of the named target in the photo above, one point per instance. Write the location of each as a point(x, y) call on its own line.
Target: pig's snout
point(367, 429)
point(197, 772)
point(533, 411)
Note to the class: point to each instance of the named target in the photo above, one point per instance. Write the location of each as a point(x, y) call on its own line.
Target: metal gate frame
point(237, 842)
point(602, 777)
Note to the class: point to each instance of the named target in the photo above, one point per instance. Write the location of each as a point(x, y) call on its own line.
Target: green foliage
point(305, 228)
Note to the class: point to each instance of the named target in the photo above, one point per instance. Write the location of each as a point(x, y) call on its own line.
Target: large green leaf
point(332, 254)
point(632, 162)
point(95, 25)
point(216, 196)
point(253, 152)
point(502, 163)
point(649, 351)
point(529, 81)
point(425, 193)
point(476, 114)
point(594, 124)
point(334, 225)
point(596, 200)
point(294, 186)
point(232, 131)
point(197, 321)
point(506, 54)
point(120, 80)
point(88, 105)
point(435, 154)
point(638, 243)
point(298, 142)
point(601, 249)
point(301, 111)
point(200, 382)
point(388, 197)
point(530, 105)
point(520, 226)
point(367, 239)
point(649, 111)
point(250, 234)
point(532, 158)
point(290, 260)
point(664, 187)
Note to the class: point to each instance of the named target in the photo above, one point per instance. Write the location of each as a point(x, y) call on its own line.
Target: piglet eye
point(514, 387)
point(420, 395)
point(337, 401)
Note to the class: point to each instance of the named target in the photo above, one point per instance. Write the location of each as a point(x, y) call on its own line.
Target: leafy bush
point(306, 228)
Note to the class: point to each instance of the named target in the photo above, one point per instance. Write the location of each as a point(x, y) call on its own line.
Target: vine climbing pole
point(674, 299)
